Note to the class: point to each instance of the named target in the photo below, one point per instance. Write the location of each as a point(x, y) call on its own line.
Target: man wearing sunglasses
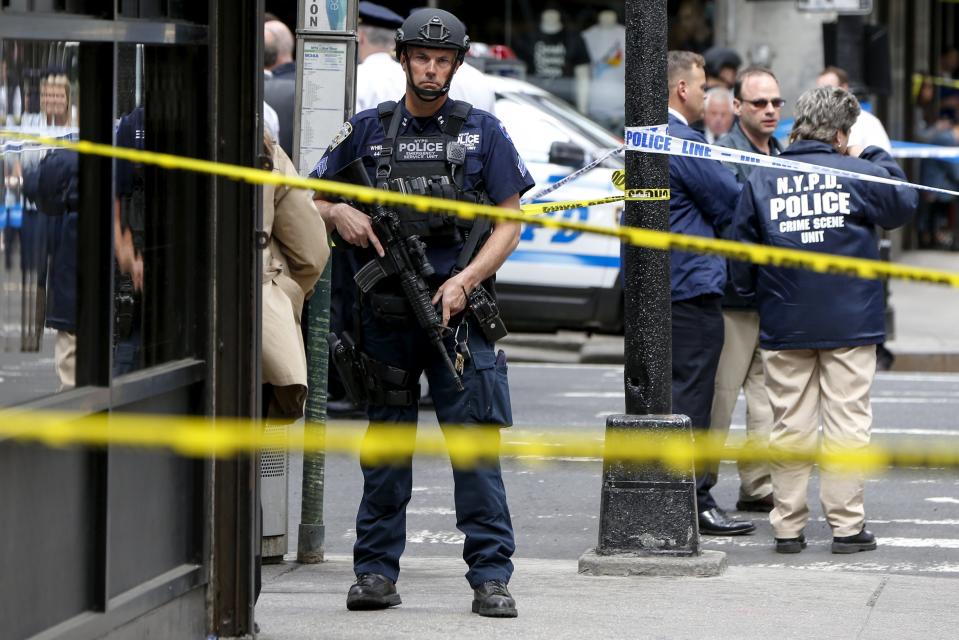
point(758, 104)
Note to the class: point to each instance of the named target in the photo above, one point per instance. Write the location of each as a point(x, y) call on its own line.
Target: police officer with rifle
point(426, 302)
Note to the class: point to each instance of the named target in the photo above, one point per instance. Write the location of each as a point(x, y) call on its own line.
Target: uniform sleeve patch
point(520, 165)
point(320, 168)
point(502, 128)
point(342, 135)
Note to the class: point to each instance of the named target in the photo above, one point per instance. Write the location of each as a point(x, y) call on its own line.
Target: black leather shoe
point(715, 522)
point(862, 541)
point(493, 600)
point(759, 505)
point(372, 591)
point(791, 545)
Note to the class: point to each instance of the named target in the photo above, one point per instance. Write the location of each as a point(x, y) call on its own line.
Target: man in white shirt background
point(379, 76)
point(868, 130)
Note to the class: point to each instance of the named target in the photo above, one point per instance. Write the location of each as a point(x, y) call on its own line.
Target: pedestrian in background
point(938, 222)
point(719, 117)
point(279, 77)
point(703, 197)
point(293, 260)
point(721, 65)
point(868, 130)
point(758, 104)
point(818, 332)
point(379, 77)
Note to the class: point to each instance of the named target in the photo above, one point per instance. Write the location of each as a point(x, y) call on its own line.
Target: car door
point(551, 257)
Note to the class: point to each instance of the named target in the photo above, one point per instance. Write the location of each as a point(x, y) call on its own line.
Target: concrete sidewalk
point(308, 601)
point(926, 336)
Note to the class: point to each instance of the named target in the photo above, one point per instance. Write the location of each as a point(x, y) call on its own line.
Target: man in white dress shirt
point(379, 77)
point(868, 130)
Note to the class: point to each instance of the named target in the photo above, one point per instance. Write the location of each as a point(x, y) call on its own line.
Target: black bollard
point(648, 519)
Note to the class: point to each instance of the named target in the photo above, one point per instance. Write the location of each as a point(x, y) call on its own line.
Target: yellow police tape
point(631, 195)
point(662, 240)
point(385, 443)
point(619, 181)
point(918, 79)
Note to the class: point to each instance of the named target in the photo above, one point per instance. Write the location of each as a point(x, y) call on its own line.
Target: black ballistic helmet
point(433, 28)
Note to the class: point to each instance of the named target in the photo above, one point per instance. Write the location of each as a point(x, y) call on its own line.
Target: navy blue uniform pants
point(697, 343)
point(480, 497)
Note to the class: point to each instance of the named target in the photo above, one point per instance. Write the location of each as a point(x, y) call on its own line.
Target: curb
point(927, 362)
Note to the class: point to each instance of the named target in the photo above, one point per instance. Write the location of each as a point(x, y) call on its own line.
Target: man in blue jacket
point(703, 196)
point(818, 332)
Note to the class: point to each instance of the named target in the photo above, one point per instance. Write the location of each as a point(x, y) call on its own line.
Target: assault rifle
point(405, 257)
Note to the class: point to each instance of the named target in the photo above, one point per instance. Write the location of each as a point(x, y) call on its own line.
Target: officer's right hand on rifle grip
point(354, 227)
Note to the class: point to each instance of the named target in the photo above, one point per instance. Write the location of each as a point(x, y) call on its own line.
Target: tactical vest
point(430, 165)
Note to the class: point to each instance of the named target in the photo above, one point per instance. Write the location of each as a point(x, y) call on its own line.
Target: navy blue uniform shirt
point(492, 163)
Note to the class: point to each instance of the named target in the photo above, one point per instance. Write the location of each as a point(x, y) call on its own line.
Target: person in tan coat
point(292, 263)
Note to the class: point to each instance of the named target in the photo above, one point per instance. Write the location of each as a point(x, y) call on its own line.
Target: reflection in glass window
point(128, 215)
point(39, 200)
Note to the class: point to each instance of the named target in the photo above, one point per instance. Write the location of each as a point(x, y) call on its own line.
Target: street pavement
point(307, 602)
point(900, 590)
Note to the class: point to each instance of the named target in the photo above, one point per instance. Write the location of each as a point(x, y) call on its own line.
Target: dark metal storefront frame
point(201, 554)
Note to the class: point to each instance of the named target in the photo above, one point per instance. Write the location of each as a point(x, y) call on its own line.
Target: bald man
point(279, 83)
point(278, 47)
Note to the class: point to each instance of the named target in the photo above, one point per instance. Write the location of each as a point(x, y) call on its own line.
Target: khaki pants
point(806, 386)
point(741, 367)
point(65, 357)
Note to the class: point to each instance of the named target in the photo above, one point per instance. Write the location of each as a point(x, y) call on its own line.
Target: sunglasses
point(760, 103)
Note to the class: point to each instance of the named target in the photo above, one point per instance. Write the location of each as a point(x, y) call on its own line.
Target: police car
point(560, 279)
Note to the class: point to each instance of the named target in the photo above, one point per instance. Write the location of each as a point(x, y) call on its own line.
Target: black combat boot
point(493, 600)
point(372, 591)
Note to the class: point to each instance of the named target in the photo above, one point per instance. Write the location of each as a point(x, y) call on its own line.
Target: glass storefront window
point(156, 214)
point(39, 196)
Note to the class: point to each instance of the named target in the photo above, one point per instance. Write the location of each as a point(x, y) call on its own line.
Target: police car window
point(575, 128)
point(532, 131)
point(599, 136)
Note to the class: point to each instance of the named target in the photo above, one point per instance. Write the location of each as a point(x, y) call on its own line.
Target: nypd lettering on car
point(559, 279)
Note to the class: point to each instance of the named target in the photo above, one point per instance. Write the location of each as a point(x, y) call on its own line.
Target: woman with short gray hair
point(818, 331)
point(823, 113)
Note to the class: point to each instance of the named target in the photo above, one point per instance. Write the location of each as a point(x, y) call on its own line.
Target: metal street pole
point(311, 536)
point(325, 95)
point(648, 518)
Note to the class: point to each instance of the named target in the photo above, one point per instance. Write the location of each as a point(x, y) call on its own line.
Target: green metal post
point(312, 532)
